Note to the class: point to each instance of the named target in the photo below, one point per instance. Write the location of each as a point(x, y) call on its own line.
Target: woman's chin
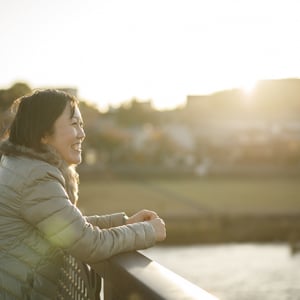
point(75, 160)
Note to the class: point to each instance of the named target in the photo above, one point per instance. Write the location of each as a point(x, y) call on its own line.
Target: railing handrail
point(135, 276)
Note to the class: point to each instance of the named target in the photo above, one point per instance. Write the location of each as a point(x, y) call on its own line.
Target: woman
point(39, 221)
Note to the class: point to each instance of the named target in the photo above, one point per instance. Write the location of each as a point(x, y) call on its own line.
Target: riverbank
point(207, 210)
point(232, 228)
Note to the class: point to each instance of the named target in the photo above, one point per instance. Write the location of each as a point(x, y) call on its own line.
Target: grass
point(206, 209)
point(193, 196)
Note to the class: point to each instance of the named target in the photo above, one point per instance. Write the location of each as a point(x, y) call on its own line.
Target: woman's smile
point(77, 147)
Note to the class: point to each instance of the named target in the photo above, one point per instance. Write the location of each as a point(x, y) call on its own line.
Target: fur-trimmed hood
point(50, 156)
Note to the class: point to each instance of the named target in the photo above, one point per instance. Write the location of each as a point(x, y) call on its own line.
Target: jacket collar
point(50, 156)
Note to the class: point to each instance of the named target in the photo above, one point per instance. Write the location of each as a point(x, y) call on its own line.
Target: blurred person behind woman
point(5, 119)
point(39, 220)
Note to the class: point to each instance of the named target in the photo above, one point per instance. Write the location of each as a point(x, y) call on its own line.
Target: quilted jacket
point(39, 224)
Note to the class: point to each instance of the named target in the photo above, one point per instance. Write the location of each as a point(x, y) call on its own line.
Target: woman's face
point(68, 134)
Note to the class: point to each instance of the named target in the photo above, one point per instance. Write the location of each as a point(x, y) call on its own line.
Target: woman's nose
point(81, 133)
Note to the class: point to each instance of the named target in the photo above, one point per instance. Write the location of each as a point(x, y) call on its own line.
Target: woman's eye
point(76, 123)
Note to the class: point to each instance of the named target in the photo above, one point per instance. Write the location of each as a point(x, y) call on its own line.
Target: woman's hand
point(159, 228)
point(141, 216)
point(152, 217)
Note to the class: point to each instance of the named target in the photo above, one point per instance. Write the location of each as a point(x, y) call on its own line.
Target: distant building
point(146, 105)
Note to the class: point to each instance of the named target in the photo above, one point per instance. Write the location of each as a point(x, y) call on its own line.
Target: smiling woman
point(39, 220)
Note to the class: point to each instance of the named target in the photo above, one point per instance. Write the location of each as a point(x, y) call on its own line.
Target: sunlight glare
point(158, 50)
point(249, 86)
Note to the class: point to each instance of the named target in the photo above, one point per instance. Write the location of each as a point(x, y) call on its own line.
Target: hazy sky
point(113, 50)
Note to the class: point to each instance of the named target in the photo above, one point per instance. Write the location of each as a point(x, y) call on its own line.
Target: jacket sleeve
point(107, 221)
point(46, 206)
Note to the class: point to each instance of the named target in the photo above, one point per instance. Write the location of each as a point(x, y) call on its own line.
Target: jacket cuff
point(108, 221)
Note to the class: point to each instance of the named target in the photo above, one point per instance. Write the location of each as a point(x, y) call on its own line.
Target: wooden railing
point(133, 276)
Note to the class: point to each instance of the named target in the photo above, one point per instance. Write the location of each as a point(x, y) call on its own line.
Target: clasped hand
point(151, 217)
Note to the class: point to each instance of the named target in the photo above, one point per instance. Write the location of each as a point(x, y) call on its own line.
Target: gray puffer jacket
point(39, 223)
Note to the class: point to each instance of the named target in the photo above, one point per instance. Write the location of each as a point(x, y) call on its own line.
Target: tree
point(136, 113)
point(8, 96)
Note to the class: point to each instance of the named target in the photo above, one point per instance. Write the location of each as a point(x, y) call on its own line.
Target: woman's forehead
point(77, 113)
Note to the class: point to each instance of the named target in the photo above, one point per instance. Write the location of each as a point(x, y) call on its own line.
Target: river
point(236, 271)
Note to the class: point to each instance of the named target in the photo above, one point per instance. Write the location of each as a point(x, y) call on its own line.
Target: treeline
point(7, 97)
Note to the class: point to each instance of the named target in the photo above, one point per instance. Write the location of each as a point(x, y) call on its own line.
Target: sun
point(248, 86)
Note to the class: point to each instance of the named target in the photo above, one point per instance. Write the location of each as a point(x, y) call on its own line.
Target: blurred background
point(192, 109)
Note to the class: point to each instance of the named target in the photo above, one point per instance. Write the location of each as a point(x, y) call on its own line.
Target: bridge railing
point(133, 276)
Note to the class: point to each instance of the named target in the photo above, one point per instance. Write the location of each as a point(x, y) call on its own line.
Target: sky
point(158, 50)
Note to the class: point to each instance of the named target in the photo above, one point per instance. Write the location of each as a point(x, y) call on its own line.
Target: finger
point(152, 215)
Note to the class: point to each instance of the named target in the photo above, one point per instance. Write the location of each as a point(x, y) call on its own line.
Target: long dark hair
point(36, 114)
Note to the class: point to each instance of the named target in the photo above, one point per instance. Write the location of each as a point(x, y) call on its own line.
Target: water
point(236, 271)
